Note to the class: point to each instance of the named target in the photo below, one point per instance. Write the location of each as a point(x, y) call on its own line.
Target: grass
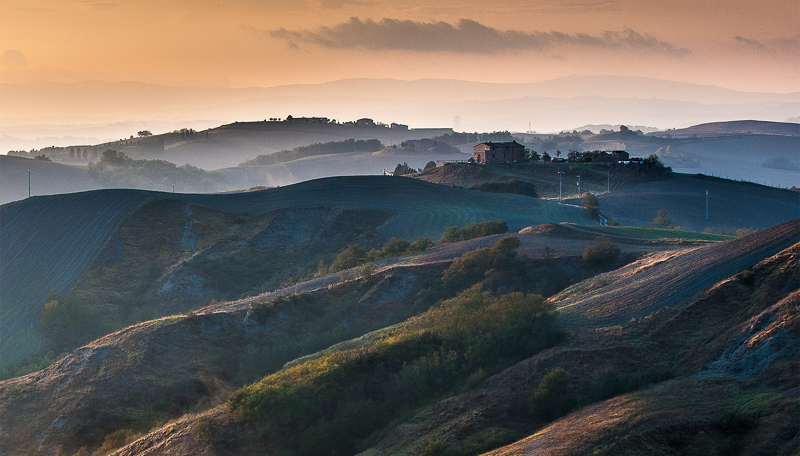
point(660, 233)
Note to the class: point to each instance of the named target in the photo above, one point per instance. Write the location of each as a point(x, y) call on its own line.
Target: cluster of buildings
point(512, 152)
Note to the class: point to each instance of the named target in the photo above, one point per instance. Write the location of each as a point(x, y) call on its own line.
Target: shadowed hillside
point(41, 258)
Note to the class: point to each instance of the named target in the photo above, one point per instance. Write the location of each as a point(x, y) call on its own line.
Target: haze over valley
point(336, 227)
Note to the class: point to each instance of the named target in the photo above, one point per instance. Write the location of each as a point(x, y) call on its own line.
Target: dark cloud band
point(467, 36)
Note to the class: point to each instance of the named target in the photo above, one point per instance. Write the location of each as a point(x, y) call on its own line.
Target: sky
point(735, 44)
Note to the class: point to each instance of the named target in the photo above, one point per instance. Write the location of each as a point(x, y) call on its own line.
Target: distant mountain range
point(100, 111)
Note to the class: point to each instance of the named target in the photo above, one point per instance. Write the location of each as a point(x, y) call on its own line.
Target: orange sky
point(744, 45)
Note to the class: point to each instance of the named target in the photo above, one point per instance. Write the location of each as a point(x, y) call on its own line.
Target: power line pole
point(29, 183)
point(560, 173)
point(579, 185)
point(706, 204)
point(608, 185)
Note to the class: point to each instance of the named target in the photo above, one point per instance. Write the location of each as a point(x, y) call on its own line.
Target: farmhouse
point(498, 152)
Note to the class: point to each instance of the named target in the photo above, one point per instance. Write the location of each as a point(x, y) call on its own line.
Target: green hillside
point(635, 198)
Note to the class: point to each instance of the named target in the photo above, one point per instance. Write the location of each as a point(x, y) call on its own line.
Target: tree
point(663, 220)
point(144, 133)
point(534, 156)
point(574, 156)
point(546, 158)
point(403, 169)
point(429, 166)
point(552, 398)
point(42, 157)
point(602, 252)
point(591, 204)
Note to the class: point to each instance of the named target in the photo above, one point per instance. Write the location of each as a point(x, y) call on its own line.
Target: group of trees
point(118, 170)
point(555, 142)
point(333, 147)
point(456, 139)
point(473, 230)
point(355, 255)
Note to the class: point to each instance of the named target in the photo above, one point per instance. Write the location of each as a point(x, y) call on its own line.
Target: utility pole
point(560, 173)
point(579, 185)
point(706, 204)
point(608, 185)
point(173, 187)
point(29, 183)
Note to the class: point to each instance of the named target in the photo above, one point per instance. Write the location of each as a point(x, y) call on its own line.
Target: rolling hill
point(162, 368)
point(635, 198)
point(42, 259)
point(711, 369)
point(47, 178)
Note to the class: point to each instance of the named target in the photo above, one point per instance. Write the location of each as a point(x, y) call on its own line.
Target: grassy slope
point(679, 341)
point(35, 261)
point(669, 344)
point(200, 365)
point(732, 205)
point(641, 291)
point(148, 373)
point(543, 175)
point(46, 243)
point(635, 198)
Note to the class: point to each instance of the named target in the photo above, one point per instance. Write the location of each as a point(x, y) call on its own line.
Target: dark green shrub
point(205, 426)
point(592, 205)
point(553, 397)
point(473, 230)
point(601, 253)
point(663, 220)
point(350, 257)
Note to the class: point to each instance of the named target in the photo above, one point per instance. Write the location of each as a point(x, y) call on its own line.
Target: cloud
point(467, 36)
point(788, 45)
point(750, 42)
point(13, 58)
point(338, 4)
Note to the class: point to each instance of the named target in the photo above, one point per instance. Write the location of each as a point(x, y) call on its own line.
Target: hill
point(635, 197)
point(561, 103)
point(762, 152)
point(103, 230)
point(740, 127)
point(129, 381)
point(47, 178)
point(731, 205)
point(711, 368)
